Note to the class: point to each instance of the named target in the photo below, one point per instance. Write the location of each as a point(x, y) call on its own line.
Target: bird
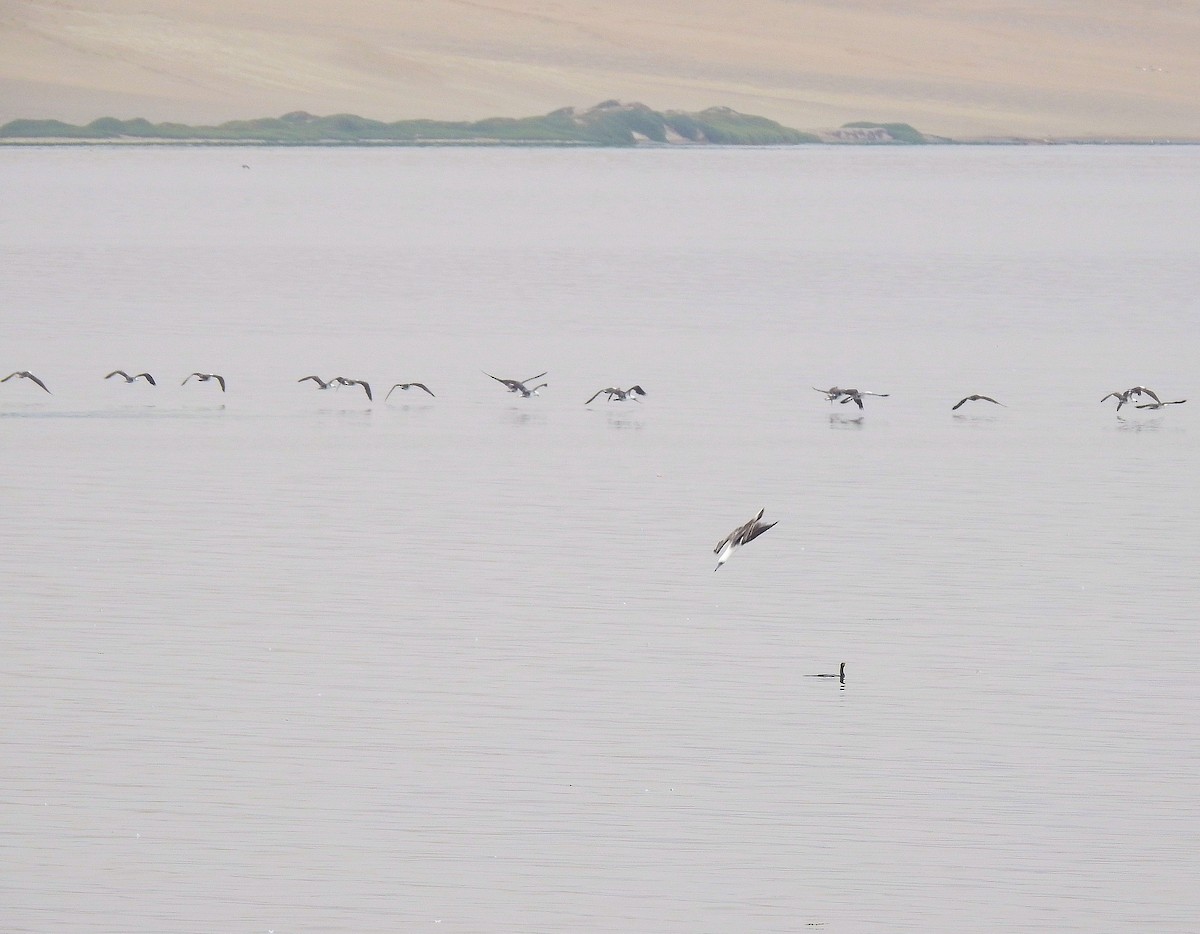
point(1159, 405)
point(518, 385)
point(841, 675)
point(321, 384)
point(741, 536)
point(129, 379)
point(404, 387)
point(526, 392)
point(856, 396)
point(975, 398)
point(343, 381)
point(831, 394)
point(1128, 395)
point(620, 395)
point(205, 377)
point(25, 374)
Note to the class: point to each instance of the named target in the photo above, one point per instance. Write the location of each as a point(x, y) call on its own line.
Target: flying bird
point(856, 396)
point(25, 374)
point(343, 381)
point(841, 675)
point(518, 385)
point(619, 395)
point(130, 379)
point(404, 387)
point(1159, 405)
point(975, 398)
point(740, 536)
point(205, 377)
point(1129, 394)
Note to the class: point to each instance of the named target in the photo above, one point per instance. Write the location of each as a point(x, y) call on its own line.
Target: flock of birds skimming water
point(522, 388)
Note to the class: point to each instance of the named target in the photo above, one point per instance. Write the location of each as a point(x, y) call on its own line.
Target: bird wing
point(756, 530)
point(117, 373)
point(219, 379)
point(598, 393)
point(149, 379)
point(423, 386)
point(638, 389)
point(532, 378)
point(1112, 395)
point(1150, 393)
point(990, 399)
point(10, 376)
point(36, 380)
point(316, 379)
point(960, 403)
point(365, 385)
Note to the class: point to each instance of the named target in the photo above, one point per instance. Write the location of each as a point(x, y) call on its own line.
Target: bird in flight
point(404, 387)
point(25, 374)
point(1129, 394)
point(841, 675)
point(130, 379)
point(619, 395)
point(343, 381)
point(742, 535)
point(205, 377)
point(975, 398)
point(1159, 405)
point(856, 396)
point(518, 385)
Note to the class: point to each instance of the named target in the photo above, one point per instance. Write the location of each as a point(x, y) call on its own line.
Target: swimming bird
point(321, 384)
point(841, 675)
point(1159, 405)
point(404, 388)
point(856, 396)
point(619, 395)
point(741, 536)
point(343, 381)
point(25, 374)
point(517, 385)
point(975, 398)
point(129, 379)
point(205, 377)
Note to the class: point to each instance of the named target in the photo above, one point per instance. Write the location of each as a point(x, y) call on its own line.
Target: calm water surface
point(286, 660)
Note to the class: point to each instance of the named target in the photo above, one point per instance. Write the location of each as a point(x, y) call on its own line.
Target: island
point(610, 123)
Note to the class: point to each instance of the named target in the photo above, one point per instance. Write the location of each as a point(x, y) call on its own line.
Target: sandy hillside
point(1033, 68)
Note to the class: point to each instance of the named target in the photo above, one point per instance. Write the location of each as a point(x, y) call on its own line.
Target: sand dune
point(1071, 68)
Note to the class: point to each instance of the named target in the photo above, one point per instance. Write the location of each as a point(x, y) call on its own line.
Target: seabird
point(129, 379)
point(518, 385)
point(1159, 405)
point(975, 398)
point(1129, 394)
point(841, 675)
point(619, 395)
point(205, 377)
point(855, 396)
point(405, 387)
point(321, 384)
point(740, 536)
point(25, 374)
point(343, 381)
point(526, 393)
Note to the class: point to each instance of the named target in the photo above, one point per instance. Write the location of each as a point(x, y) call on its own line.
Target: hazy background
point(1095, 68)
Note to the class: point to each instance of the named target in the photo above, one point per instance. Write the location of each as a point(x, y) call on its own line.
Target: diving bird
point(205, 377)
point(619, 395)
point(321, 384)
point(841, 675)
point(518, 385)
point(25, 374)
point(404, 387)
point(975, 398)
point(343, 381)
point(129, 379)
point(741, 536)
point(1159, 405)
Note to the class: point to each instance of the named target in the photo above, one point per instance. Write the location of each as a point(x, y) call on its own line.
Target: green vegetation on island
point(608, 124)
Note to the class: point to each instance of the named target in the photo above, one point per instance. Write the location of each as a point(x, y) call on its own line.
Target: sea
point(282, 659)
